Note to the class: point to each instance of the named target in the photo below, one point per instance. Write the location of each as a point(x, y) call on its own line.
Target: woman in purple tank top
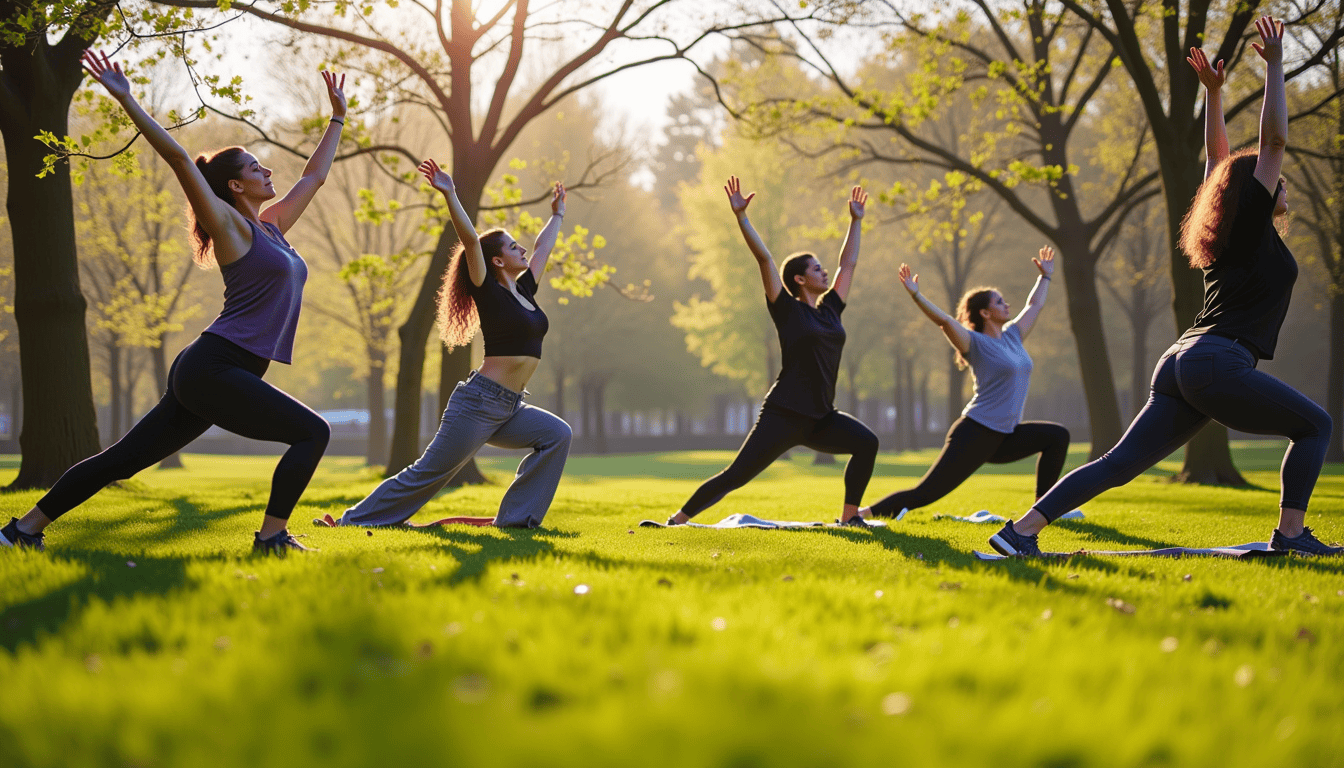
point(217, 378)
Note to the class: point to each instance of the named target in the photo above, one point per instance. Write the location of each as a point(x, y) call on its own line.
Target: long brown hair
point(1206, 225)
point(968, 314)
point(219, 169)
point(458, 318)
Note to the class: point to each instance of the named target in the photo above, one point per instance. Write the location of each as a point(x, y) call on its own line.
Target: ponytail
point(218, 169)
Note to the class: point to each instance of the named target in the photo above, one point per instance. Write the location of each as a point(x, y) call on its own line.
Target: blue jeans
point(479, 411)
point(1201, 378)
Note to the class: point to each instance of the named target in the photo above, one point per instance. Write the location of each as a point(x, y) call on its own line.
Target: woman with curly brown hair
point(1209, 373)
point(490, 285)
point(991, 430)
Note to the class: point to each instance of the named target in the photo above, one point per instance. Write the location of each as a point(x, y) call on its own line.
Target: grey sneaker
point(1009, 542)
point(11, 536)
point(1304, 543)
point(281, 544)
point(856, 521)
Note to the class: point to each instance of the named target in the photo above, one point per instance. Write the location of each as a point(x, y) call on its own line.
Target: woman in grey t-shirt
point(990, 430)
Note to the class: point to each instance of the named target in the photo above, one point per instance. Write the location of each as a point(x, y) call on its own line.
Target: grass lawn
point(147, 635)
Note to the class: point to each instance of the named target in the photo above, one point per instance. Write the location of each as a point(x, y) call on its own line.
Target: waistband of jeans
point(1227, 342)
point(479, 381)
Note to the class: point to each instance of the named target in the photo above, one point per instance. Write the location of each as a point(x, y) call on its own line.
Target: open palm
point(436, 177)
point(107, 72)
point(735, 199)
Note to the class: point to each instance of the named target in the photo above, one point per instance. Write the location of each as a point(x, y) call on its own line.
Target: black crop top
point(509, 328)
point(1247, 290)
point(810, 342)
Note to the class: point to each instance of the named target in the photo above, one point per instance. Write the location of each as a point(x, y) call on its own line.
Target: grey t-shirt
point(1002, 370)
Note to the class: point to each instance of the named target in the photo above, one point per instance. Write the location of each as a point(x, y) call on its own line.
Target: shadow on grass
point(106, 577)
point(1106, 533)
point(475, 549)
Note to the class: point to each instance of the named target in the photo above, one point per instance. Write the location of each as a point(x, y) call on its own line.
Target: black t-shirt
point(1249, 286)
point(810, 341)
point(508, 327)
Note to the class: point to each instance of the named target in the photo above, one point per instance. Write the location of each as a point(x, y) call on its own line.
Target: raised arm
point(220, 220)
point(956, 333)
point(1036, 301)
point(466, 232)
point(849, 252)
point(769, 275)
point(545, 242)
point(1274, 112)
point(284, 212)
point(1215, 129)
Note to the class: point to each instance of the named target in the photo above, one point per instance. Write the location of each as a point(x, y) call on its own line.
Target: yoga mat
point(1255, 549)
point(327, 521)
point(985, 516)
point(751, 521)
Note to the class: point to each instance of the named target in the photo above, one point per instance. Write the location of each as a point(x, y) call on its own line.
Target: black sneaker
point(281, 544)
point(1304, 543)
point(1009, 542)
point(856, 521)
point(11, 536)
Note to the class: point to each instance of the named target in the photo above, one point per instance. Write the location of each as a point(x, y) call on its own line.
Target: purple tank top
point(263, 292)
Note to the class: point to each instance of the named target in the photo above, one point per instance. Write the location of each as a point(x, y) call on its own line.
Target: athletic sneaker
point(1304, 543)
point(856, 521)
point(1009, 542)
point(11, 536)
point(281, 544)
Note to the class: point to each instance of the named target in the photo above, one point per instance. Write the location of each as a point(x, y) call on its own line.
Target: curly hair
point(794, 265)
point(218, 168)
point(968, 314)
point(458, 319)
point(1206, 226)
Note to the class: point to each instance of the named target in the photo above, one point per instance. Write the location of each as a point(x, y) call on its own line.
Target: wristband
point(1046, 279)
point(338, 120)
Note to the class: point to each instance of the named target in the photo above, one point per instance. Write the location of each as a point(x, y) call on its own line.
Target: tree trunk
point(37, 84)
point(559, 405)
point(600, 411)
point(922, 424)
point(160, 356)
point(1208, 457)
point(1334, 392)
point(375, 452)
point(956, 385)
point(413, 336)
point(115, 429)
point(1089, 340)
point(1139, 375)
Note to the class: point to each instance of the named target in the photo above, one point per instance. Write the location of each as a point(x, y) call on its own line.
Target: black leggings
point(1201, 378)
point(212, 381)
point(776, 431)
point(970, 445)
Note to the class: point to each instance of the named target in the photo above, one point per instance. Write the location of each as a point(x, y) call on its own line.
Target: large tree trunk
point(1139, 375)
point(1208, 457)
point(375, 452)
point(1089, 340)
point(60, 426)
point(115, 429)
point(160, 357)
point(1334, 392)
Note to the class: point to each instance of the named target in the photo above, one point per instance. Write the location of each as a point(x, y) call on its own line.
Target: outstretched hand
point(911, 282)
point(735, 199)
point(1045, 262)
point(335, 92)
point(107, 72)
point(857, 200)
point(1270, 46)
point(1211, 77)
point(558, 200)
point(436, 177)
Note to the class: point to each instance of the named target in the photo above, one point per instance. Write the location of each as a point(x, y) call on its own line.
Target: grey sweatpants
point(480, 411)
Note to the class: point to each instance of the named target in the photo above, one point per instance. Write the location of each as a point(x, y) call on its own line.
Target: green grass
point(689, 647)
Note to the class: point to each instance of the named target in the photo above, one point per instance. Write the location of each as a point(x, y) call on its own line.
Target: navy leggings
point(1201, 378)
point(970, 445)
point(212, 381)
point(776, 431)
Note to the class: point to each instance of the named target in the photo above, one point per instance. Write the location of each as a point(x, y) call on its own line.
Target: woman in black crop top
point(799, 408)
point(1210, 372)
point(490, 285)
